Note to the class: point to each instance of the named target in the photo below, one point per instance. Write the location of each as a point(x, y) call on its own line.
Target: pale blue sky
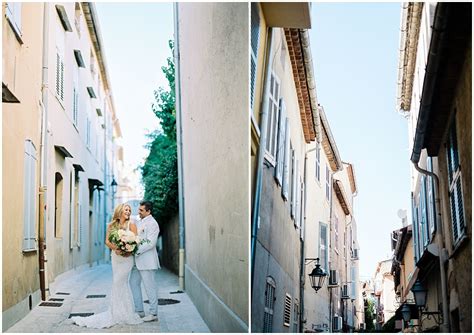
point(135, 39)
point(355, 57)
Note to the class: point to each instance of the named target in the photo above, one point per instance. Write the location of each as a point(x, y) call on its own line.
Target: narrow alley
point(87, 291)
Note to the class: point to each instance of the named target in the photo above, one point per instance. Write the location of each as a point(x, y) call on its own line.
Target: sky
point(355, 58)
point(135, 37)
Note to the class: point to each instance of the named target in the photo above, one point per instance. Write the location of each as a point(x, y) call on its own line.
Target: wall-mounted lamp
point(317, 276)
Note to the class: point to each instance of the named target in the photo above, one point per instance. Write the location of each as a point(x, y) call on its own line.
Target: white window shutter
point(293, 184)
point(286, 165)
point(281, 143)
point(29, 203)
point(298, 196)
point(79, 212)
point(302, 225)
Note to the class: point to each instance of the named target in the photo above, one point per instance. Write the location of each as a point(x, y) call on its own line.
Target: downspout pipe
point(442, 253)
point(303, 252)
point(261, 152)
point(43, 191)
point(179, 142)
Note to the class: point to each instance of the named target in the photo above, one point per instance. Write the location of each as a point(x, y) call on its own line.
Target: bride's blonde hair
point(115, 223)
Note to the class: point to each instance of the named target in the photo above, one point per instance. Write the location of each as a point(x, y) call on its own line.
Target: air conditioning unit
point(362, 326)
point(333, 278)
point(345, 291)
point(355, 254)
point(337, 323)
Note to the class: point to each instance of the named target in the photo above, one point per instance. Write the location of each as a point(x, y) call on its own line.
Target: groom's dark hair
point(148, 205)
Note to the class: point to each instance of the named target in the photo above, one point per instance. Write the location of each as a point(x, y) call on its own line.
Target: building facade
point(295, 172)
point(434, 94)
point(384, 293)
point(211, 100)
point(61, 82)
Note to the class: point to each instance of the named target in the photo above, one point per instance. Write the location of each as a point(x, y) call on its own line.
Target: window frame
point(273, 95)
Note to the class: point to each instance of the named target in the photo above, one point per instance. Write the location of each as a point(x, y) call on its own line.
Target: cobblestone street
point(74, 287)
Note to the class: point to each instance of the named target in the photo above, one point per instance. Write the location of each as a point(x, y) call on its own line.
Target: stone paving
point(181, 317)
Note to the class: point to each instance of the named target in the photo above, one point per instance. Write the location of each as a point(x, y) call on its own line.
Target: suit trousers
point(149, 282)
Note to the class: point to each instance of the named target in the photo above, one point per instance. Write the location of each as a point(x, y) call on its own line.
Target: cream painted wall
point(213, 42)
point(20, 121)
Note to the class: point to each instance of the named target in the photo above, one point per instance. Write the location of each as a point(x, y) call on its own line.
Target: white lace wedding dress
point(121, 309)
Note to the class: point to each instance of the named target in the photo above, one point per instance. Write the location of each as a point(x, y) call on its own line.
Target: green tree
point(369, 305)
point(160, 170)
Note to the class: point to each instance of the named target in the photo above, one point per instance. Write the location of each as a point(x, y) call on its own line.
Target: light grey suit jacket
point(147, 257)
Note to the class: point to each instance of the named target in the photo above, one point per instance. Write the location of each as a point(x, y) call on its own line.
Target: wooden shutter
point(29, 202)
point(254, 40)
point(286, 165)
point(287, 311)
point(293, 185)
point(281, 143)
point(269, 305)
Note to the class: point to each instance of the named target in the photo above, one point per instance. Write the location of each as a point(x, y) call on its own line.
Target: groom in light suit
point(146, 263)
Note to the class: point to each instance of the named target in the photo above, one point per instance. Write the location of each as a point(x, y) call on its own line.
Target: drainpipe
point(179, 131)
point(303, 253)
point(442, 253)
point(43, 269)
point(261, 152)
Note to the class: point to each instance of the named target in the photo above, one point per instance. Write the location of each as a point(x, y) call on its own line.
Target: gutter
point(308, 64)
point(261, 152)
point(43, 190)
point(434, 57)
point(179, 142)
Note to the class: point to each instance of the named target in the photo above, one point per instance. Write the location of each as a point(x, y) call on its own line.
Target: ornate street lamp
point(317, 276)
point(114, 186)
point(406, 313)
point(420, 293)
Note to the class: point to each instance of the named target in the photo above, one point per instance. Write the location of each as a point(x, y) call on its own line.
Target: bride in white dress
point(121, 309)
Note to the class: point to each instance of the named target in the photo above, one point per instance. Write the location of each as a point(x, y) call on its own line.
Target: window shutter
point(29, 203)
point(269, 305)
point(318, 162)
point(281, 143)
point(255, 32)
point(79, 212)
point(286, 167)
point(298, 196)
point(62, 80)
point(293, 183)
point(415, 226)
point(287, 311)
point(424, 212)
point(302, 210)
point(71, 210)
point(323, 246)
point(431, 198)
point(58, 75)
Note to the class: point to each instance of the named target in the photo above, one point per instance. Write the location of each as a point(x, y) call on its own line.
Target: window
point(272, 125)
point(295, 316)
point(77, 18)
point(323, 246)
point(416, 234)
point(281, 143)
point(13, 14)
point(318, 162)
point(455, 187)
point(58, 200)
point(431, 197)
point(88, 133)
point(287, 311)
point(301, 209)
point(269, 304)
point(294, 185)
point(29, 197)
point(336, 233)
point(254, 40)
point(328, 184)
point(59, 76)
point(424, 213)
point(286, 165)
point(71, 210)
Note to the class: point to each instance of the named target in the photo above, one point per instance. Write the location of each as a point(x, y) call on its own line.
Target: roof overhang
point(63, 151)
point(287, 14)
point(450, 41)
point(301, 62)
point(341, 196)
point(329, 144)
point(352, 178)
point(78, 167)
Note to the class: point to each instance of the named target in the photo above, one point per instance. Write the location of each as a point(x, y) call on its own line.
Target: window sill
point(458, 246)
point(16, 31)
point(29, 251)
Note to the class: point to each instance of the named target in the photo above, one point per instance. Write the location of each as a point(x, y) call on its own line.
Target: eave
point(341, 196)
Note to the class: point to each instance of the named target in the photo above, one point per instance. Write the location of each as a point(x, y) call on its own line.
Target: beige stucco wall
point(213, 42)
point(21, 72)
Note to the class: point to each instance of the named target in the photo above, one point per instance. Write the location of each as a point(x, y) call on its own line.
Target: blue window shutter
point(286, 167)
point(415, 227)
point(281, 143)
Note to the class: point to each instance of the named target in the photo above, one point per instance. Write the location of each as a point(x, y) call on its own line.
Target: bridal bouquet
point(126, 241)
